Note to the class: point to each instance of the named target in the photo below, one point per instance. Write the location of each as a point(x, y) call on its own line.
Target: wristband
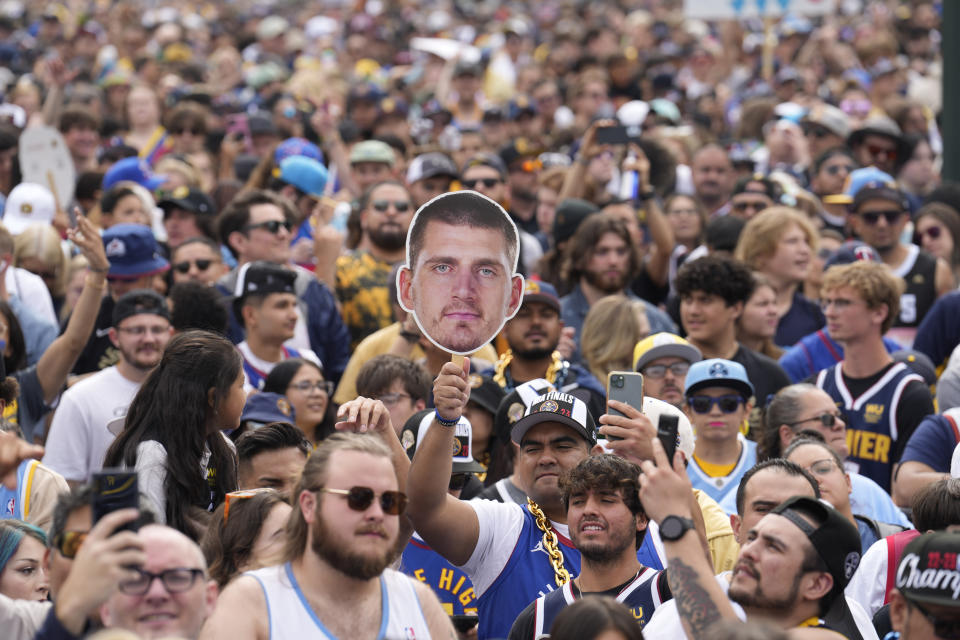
point(443, 421)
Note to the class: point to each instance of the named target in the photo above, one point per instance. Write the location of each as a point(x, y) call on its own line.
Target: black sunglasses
point(273, 226)
point(382, 205)
point(873, 217)
point(703, 404)
point(834, 169)
point(360, 499)
point(180, 132)
point(489, 183)
point(826, 419)
point(184, 266)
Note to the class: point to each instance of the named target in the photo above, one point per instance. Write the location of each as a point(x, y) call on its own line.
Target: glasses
point(174, 581)
point(142, 331)
point(838, 303)
point(184, 267)
point(704, 404)
point(818, 132)
point(881, 152)
point(489, 183)
point(822, 467)
point(657, 371)
point(360, 499)
point(180, 132)
point(382, 205)
point(458, 481)
point(273, 226)
point(234, 496)
point(391, 399)
point(873, 217)
point(69, 542)
point(948, 629)
point(826, 419)
point(307, 386)
point(933, 232)
point(834, 169)
point(744, 205)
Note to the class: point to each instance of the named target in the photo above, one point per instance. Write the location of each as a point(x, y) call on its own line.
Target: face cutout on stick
point(460, 280)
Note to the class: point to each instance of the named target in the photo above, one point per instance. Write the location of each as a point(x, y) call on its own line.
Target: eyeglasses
point(69, 542)
point(657, 371)
point(142, 331)
point(273, 226)
point(826, 419)
point(834, 169)
point(184, 267)
point(822, 467)
point(307, 386)
point(838, 303)
point(458, 481)
point(174, 581)
point(489, 183)
point(704, 404)
point(873, 217)
point(881, 152)
point(391, 399)
point(360, 498)
point(933, 232)
point(947, 629)
point(382, 205)
point(233, 496)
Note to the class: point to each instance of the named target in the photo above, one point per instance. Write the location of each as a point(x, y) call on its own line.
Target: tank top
point(292, 618)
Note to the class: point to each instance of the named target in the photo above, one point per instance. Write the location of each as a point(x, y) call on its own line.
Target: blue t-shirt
point(803, 318)
point(932, 443)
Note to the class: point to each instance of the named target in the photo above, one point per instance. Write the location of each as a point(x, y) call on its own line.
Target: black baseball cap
point(140, 301)
point(556, 406)
point(486, 393)
point(188, 199)
point(261, 278)
point(928, 570)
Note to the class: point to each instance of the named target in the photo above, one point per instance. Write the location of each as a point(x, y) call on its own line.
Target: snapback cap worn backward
point(416, 427)
point(563, 408)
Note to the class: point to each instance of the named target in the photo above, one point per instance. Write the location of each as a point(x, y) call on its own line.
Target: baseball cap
point(515, 404)
point(296, 147)
point(834, 538)
point(654, 408)
point(486, 393)
point(188, 199)
point(428, 165)
point(865, 184)
point(919, 362)
point(518, 149)
point(830, 118)
point(928, 555)
point(537, 291)
point(556, 406)
point(521, 105)
point(271, 27)
point(416, 427)
point(261, 277)
point(570, 213)
point(306, 174)
point(663, 345)
point(134, 303)
point(135, 170)
point(28, 204)
point(372, 151)
point(852, 251)
point(132, 251)
point(879, 126)
point(717, 372)
point(265, 407)
point(486, 160)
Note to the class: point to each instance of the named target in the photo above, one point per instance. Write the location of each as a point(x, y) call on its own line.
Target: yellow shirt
point(723, 545)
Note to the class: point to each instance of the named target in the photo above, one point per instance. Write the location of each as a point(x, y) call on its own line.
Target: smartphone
point(464, 623)
point(115, 489)
point(616, 134)
point(627, 387)
point(238, 127)
point(667, 433)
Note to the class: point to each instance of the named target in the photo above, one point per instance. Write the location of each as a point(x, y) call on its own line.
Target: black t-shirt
point(767, 376)
point(99, 353)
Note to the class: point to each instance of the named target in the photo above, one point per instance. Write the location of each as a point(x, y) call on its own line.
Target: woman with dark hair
point(246, 532)
point(172, 437)
point(309, 393)
point(595, 617)
point(917, 173)
point(937, 231)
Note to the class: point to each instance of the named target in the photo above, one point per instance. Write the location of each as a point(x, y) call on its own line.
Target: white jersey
point(292, 618)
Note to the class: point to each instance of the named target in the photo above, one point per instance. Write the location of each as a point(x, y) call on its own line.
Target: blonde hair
point(315, 474)
point(872, 281)
point(612, 327)
point(43, 242)
point(763, 233)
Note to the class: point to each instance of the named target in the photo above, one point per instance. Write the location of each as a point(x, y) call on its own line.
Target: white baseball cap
point(28, 204)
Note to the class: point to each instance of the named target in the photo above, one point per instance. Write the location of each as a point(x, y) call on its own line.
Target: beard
point(760, 600)
point(389, 237)
point(537, 353)
point(605, 283)
point(604, 553)
point(355, 565)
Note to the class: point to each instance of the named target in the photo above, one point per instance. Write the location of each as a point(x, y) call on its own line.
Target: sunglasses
point(704, 404)
point(360, 498)
point(272, 226)
point(657, 371)
point(933, 232)
point(234, 496)
point(180, 132)
point(949, 629)
point(881, 152)
point(826, 419)
point(873, 217)
point(401, 206)
point(69, 542)
point(184, 267)
point(174, 581)
point(458, 481)
point(834, 169)
point(744, 205)
point(819, 132)
point(489, 183)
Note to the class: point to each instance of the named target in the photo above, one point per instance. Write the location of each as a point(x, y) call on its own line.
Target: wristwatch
point(673, 527)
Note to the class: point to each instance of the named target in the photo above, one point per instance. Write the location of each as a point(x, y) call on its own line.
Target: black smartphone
point(115, 489)
point(617, 134)
point(667, 433)
point(627, 387)
point(464, 623)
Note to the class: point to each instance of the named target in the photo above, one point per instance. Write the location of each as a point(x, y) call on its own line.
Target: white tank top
point(292, 618)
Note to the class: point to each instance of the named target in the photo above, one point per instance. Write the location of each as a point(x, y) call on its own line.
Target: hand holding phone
point(115, 489)
point(627, 387)
point(667, 428)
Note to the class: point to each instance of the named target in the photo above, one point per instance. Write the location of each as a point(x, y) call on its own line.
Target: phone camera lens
point(618, 382)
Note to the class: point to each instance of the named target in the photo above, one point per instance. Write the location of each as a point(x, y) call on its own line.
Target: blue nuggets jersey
point(451, 584)
point(641, 596)
point(871, 418)
point(15, 503)
point(724, 490)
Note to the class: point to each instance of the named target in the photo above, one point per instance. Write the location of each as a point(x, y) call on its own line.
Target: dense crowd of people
point(209, 282)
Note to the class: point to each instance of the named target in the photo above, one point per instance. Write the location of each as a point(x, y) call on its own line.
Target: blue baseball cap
point(265, 407)
point(296, 147)
point(537, 291)
point(868, 183)
point(305, 174)
point(132, 251)
point(133, 170)
point(718, 372)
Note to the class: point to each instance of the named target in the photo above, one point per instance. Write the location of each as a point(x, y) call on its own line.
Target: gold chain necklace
point(500, 369)
point(550, 544)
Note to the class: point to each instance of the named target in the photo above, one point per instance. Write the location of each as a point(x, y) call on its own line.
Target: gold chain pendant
point(550, 543)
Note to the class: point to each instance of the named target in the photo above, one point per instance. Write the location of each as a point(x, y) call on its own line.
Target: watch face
point(672, 528)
